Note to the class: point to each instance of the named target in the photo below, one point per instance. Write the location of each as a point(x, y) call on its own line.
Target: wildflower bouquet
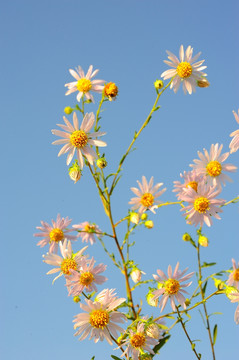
point(124, 321)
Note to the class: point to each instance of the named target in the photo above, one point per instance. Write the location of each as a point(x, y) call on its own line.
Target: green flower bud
point(158, 84)
point(101, 163)
point(186, 237)
point(203, 240)
point(144, 216)
point(68, 110)
point(75, 172)
point(149, 224)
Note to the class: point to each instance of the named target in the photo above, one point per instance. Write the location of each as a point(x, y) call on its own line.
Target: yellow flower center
point(201, 204)
point(99, 319)
point(193, 185)
point(171, 286)
point(137, 340)
point(236, 275)
point(68, 264)
point(147, 200)
point(56, 235)
point(89, 228)
point(214, 168)
point(184, 69)
point(86, 278)
point(78, 138)
point(111, 90)
point(84, 85)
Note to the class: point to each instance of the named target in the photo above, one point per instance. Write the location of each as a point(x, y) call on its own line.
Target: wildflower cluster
point(125, 321)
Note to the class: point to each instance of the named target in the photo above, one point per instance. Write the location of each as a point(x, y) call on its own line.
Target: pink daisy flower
point(138, 342)
point(79, 139)
point(99, 320)
point(146, 195)
point(202, 204)
point(65, 263)
point(185, 70)
point(55, 234)
point(172, 287)
point(234, 297)
point(84, 83)
point(211, 166)
point(234, 276)
point(87, 231)
point(85, 278)
point(191, 179)
point(234, 144)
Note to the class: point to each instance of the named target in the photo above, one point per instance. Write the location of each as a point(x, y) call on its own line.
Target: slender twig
point(186, 333)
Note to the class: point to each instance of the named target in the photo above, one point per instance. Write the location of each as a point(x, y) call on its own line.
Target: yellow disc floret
point(236, 275)
point(184, 69)
point(147, 200)
point(86, 278)
point(138, 340)
point(193, 185)
point(214, 168)
point(89, 228)
point(201, 204)
point(68, 264)
point(56, 235)
point(99, 319)
point(84, 85)
point(78, 138)
point(171, 286)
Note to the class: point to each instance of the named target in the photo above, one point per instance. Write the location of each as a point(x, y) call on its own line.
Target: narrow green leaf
point(161, 343)
point(205, 264)
point(204, 288)
point(214, 334)
point(93, 358)
point(115, 357)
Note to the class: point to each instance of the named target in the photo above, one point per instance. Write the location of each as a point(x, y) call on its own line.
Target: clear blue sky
point(126, 40)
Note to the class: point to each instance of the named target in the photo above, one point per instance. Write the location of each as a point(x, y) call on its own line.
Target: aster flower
point(234, 276)
point(202, 204)
point(172, 287)
point(84, 83)
point(190, 178)
point(234, 144)
point(234, 297)
point(78, 139)
point(138, 342)
point(66, 262)
point(211, 166)
point(100, 319)
point(185, 70)
point(55, 234)
point(146, 195)
point(87, 231)
point(85, 278)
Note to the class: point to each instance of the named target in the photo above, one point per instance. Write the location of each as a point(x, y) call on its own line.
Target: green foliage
point(214, 334)
point(160, 344)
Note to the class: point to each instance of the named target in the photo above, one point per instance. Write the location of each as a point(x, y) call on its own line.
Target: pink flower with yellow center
point(146, 196)
point(211, 166)
point(55, 234)
point(99, 320)
point(87, 231)
point(185, 70)
point(84, 83)
point(172, 287)
point(234, 276)
point(78, 139)
point(234, 297)
point(191, 179)
point(139, 342)
point(66, 262)
point(85, 278)
point(202, 204)
point(234, 144)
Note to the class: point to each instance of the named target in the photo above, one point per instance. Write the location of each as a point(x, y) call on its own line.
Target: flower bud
point(203, 240)
point(149, 224)
point(134, 217)
point(75, 172)
point(101, 163)
point(136, 275)
point(68, 110)
point(151, 302)
point(76, 299)
point(203, 82)
point(158, 84)
point(144, 216)
point(186, 237)
point(111, 91)
point(153, 331)
point(187, 302)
